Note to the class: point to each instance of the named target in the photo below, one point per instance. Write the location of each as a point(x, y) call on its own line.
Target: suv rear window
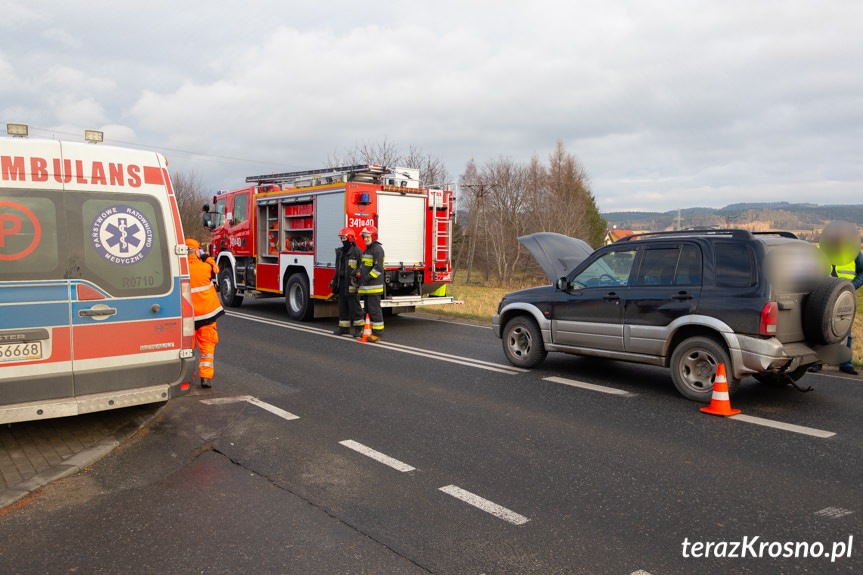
point(735, 265)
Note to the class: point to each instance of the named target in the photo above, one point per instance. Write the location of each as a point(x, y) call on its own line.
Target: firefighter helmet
point(370, 230)
point(349, 232)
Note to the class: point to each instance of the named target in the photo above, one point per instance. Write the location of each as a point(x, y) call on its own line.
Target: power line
point(162, 149)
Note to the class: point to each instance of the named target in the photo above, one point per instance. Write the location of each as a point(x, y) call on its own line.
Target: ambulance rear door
point(126, 312)
point(35, 340)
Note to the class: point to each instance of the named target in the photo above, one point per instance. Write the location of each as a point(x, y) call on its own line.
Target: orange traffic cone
point(367, 331)
point(720, 404)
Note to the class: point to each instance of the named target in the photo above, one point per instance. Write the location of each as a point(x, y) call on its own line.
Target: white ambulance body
point(95, 304)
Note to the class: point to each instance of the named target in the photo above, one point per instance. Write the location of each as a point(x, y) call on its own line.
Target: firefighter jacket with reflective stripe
point(372, 269)
point(347, 262)
point(204, 296)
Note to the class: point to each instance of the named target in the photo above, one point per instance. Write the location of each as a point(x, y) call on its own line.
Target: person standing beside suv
point(840, 244)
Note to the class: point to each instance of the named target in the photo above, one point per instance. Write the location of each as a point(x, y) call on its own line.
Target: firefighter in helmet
point(371, 279)
point(840, 244)
point(205, 300)
point(345, 283)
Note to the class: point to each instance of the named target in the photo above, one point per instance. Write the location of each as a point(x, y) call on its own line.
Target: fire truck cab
point(278, 236)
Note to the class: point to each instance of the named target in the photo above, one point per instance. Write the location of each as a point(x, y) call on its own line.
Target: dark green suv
point(762, 304)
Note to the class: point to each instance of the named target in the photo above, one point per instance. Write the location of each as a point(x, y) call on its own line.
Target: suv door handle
point(681, 296)
point(611, 297)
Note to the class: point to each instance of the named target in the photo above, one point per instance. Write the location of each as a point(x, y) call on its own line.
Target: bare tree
point(384, 153)
point(568, 200)
point(191, 196)
point(504, 213)
point(537, 192)
point(433, 172)
point(508, 199)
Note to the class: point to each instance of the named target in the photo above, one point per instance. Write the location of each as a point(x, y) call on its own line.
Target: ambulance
point(95, 302)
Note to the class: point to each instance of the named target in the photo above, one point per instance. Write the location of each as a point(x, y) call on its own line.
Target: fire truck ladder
point(441, 240)
point(366, 173)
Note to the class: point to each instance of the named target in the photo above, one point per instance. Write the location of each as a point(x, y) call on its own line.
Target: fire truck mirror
point(208, 221)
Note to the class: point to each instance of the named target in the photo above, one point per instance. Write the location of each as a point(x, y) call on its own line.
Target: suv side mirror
point(562, 284)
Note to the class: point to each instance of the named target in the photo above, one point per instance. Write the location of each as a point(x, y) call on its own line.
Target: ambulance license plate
point(20, 351)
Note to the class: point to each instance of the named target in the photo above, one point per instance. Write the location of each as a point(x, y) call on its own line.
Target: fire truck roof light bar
point(360, 172)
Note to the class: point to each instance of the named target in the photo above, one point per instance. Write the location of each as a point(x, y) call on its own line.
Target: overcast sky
point(667, 103)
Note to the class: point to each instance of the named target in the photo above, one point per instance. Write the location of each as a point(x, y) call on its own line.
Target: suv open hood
point(557, 254)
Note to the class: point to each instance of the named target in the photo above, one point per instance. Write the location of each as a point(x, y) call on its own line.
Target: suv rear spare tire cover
point(829, 312)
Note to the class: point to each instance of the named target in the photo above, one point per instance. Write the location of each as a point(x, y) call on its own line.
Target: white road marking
point(273, 409)
point(376, 455)
point(498, 367)
point(226, 400)
point(470, 362)
point(254, 401)
point(782, 425)
point(485, 505)
point(834, 512)
point(439, 319)
point(590, 386)
point(511, 370)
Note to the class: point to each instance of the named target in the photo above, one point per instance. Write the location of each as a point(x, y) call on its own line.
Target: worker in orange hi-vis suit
point(202, 270)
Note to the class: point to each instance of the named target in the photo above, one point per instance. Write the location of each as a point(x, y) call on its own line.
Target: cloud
point(663, 103)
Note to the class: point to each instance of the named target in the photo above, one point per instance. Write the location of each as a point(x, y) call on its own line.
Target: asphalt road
point(428, 453)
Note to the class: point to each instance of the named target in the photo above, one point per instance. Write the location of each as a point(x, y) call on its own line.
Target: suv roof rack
point(782, 234)
point(736, 234)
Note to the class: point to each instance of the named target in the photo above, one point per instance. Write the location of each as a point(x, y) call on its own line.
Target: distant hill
point(805, 219)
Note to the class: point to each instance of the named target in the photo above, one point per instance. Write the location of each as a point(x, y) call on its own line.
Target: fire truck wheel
point(297, 300)
point(227, 288)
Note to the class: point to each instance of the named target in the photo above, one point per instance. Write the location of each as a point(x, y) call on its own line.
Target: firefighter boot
point(206, 382)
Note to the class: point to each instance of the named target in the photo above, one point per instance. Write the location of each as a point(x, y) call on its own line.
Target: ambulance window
point(123, 249)
point(29, 248)
point(241, 202)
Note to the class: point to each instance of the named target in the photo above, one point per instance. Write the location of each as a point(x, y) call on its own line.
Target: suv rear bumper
point(754, 355)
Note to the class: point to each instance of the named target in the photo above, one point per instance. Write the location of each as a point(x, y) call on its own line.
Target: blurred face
point(343, 238)
point(840, 242)
point(367, 238)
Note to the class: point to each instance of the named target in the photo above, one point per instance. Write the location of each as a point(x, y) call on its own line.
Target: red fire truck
point(278, 236)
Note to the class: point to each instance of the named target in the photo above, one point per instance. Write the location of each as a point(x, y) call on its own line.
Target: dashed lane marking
point(468, 361)
point(377, 455)
point(254, 401)
point(590, 386)
point(834, 512)
point(485, 505)
point(782, 425)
